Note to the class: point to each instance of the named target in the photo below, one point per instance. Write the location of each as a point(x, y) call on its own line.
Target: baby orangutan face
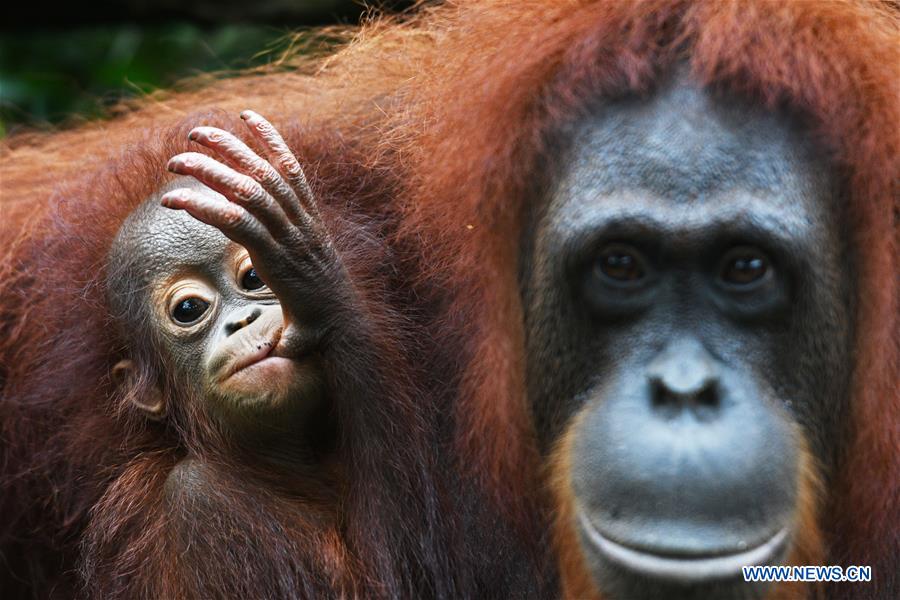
point(215, 319)
point(181, 267)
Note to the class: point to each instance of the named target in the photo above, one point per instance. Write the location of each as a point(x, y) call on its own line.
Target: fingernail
point(193, 136)
point(245, 115)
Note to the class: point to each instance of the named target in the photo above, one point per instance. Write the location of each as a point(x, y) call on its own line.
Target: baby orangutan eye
point(251, 281)
point(189, 310)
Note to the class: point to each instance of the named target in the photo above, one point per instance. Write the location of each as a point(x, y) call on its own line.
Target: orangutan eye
point(744, 268)
point(251, 281)
point(620, 265)
point(189, 310)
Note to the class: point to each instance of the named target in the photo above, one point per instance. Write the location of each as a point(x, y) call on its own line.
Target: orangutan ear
point(151, 403)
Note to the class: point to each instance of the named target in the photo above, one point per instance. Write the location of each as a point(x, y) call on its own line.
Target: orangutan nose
point(234, 326)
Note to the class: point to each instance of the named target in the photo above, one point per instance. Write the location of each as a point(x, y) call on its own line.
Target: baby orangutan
point(237, 282)
point(252, 345)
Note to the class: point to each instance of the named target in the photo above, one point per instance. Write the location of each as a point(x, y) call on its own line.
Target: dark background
point(60, 60)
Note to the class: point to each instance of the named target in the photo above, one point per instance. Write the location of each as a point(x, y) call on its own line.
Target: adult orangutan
point(670, 229)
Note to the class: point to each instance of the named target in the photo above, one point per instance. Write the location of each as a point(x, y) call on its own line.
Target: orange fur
point(476, 125)
point(457, 99)
point(574, 575)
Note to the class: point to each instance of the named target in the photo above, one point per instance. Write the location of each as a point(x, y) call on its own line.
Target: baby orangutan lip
point(263, 351)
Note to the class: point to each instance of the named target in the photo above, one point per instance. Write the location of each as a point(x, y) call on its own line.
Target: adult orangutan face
point(687, 311)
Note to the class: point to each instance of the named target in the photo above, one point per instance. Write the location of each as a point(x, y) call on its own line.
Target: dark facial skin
point(218, 323)
point(199, 274)
point(686, 294)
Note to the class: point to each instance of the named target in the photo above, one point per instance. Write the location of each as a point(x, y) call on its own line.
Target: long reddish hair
point(492, 80)
point(458, 101)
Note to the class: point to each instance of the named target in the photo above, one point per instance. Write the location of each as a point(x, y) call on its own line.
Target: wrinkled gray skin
point(687, 399)
point(156, 244)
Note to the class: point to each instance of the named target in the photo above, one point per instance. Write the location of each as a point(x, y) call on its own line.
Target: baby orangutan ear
point(147, 399)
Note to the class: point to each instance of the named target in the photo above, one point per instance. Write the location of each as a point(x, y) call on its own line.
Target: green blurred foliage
point(47, 76)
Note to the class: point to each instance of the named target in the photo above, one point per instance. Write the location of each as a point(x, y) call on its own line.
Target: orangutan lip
point(264, 350)
point(683, 569)
point(295, 347)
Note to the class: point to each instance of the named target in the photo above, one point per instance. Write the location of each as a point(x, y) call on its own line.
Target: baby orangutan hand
point(270, 210)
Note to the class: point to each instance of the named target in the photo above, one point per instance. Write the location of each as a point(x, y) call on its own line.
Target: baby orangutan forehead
point(157, 240)
point(155, 243)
